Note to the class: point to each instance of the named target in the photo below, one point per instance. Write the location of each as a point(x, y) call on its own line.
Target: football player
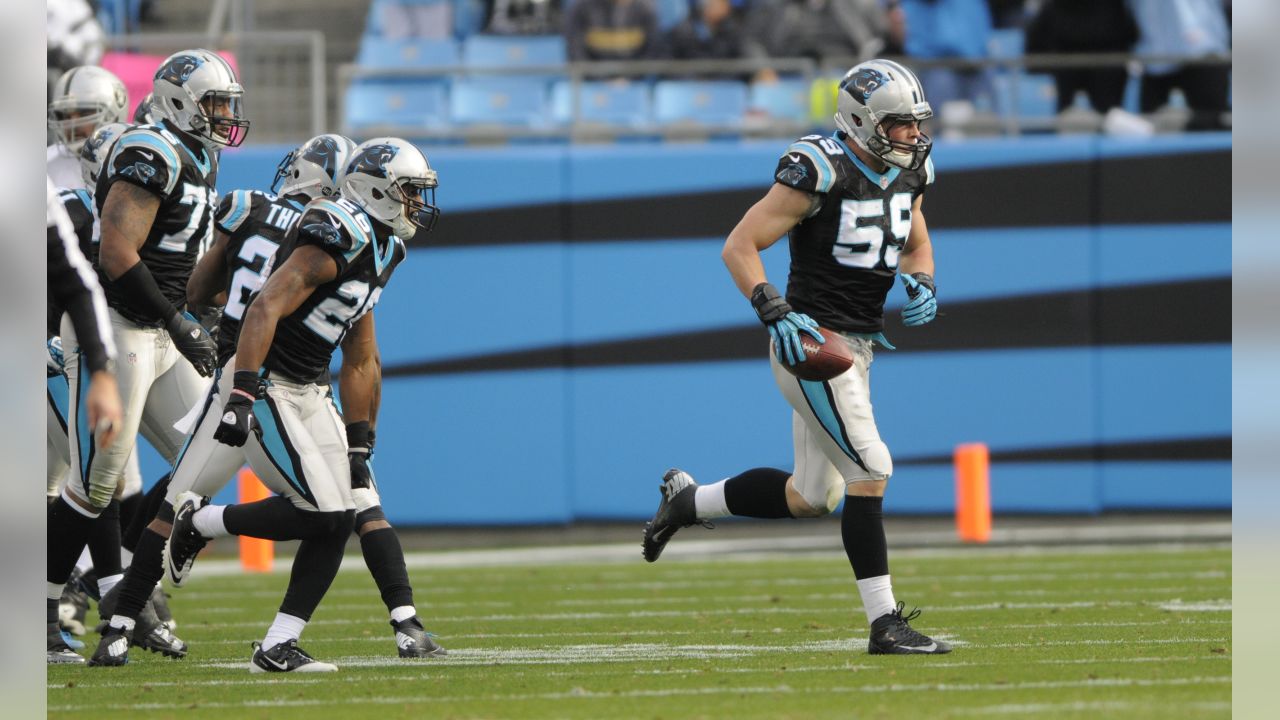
point(84, 99)
point(329, 274)
point(851, 204)
point(153, 198)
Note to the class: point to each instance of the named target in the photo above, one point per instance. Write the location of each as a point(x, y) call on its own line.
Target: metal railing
point(283, 73)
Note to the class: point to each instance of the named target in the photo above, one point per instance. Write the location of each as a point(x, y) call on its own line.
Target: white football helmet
point(96, 150)
point(315, 169)
point(198, 92)
point(85, 98)
point(392, 180)
point(142, 114)
point(873, 96)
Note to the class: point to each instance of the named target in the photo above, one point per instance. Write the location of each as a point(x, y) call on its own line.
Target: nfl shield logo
point(884, 183)
point(133, 358)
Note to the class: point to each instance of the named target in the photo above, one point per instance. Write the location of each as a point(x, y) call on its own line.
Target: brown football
point(823, 361)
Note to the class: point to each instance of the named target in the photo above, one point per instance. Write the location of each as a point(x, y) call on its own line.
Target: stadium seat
point(671, 12)
point(1035, 96)
point(469, 17)
point(606, 103)
point(408, 52)
point(784, 100)
point(1006, 43)
point(411, 18)
point(420, 103)
point(513, 50)
point(705, 102)
point(499, 101)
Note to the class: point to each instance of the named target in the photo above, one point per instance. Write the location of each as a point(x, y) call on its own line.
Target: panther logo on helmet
point(373, 160)
point(178, 69)
point(324, 153)
point(865, 82)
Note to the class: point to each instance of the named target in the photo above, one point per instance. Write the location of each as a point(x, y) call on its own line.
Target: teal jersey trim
point(816, 394)
point(882, 180)
point(826, 171)
point(359, 237)
point(154, 142)
point(241, 201)
point(273, 443)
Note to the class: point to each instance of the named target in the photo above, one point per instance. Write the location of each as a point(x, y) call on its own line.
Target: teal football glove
point(785, 325)
point(922, 305)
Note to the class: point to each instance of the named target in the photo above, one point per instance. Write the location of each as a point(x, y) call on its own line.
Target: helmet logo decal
point(141, 171)
point(324, 152)
point(864, 82)
point(178, 69)
point(373, 160)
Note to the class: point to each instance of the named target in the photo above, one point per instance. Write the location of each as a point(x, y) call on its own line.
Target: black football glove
point(193, 342)
point(360, 438)
point(237, 412)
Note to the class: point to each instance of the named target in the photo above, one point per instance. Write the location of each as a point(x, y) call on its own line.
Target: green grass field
point(1131, 632)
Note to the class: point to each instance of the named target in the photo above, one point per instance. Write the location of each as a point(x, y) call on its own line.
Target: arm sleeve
point(74, 285)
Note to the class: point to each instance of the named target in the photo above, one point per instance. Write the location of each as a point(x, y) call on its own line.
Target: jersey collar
point(881, 179)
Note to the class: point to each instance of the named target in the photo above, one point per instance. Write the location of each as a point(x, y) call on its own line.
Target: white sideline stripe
point(752, 549)
point(579, 693)
point(606, 671)
point(1012, 709)
point(1202, 606)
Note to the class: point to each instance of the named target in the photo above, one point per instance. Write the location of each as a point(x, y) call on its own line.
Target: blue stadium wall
point(569, 332)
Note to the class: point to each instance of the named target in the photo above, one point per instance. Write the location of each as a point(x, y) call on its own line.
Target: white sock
point(122, 622)
point(877, 597)
point(55, 590)
point(708, 501)
point(208, 521)
point(126, 558)
point(105, 584)
point(402, 613)
point(284, 629)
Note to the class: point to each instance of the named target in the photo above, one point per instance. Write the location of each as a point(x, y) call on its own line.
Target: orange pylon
point(973, 492)
point(256, 554)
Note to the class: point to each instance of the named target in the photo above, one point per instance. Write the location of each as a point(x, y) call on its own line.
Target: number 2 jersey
point(844, 256)
point(256, 225)
point(366, 254)
point(155, 159)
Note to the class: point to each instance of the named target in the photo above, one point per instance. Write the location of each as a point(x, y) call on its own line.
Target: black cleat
point(73, 606)
point(113, 650)
point(286, 657)
point(160, 601)
point(149, 632)
point(185, 542)
point(59, 652)
point(674, 512)
point(412, 641)
point(892, 635)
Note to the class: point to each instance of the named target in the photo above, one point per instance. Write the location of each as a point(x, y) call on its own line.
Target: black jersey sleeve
point(233, 209)
point(335, 229)
point(79, 209)
point(806, 166)
point(143, 157)
point(75, 287)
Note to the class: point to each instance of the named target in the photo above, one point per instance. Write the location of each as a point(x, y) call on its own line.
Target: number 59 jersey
point(845, 255)
point(156, 160)
point(256, 225)
point(366, 254)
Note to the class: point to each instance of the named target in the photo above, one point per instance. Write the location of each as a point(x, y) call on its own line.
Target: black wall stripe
point(1188, 187)
point(1201, 448)
point(1174, 313)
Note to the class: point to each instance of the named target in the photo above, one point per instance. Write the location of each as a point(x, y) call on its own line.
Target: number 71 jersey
point(366, 254)
point(844, 256)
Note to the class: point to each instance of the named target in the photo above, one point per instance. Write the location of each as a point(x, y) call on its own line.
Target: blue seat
point(468, 17)
point(408, 52)
point(706, 102)
point(501, 101)
point(671, 12)
point(1006, 43)
point(785, 99)
point(1035, 96)
point(513, 50)
point(606, 103)
point(420, 103)
point(411, 18)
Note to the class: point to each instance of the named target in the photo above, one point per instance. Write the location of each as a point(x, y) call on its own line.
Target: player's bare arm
point(127, 216)
point(360, 379)
point(209, 277)
point(763, 225)
point(307, 268)
point(917, 254)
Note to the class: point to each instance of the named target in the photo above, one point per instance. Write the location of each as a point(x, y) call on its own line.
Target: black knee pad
point(373, 514)
point(319, 525)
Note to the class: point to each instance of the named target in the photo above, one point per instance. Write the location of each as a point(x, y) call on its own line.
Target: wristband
point(926, 280)
point(143, 294)
point(247, 383)
point(360, 436)
point(769, 304)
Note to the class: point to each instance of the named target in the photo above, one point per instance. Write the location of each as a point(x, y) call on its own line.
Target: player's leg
point(58, 452)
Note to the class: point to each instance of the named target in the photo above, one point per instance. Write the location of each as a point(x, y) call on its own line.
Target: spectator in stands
point(1085, 26)
point(523, 17)
point(612, 30)
point(847, 30)
point(949, 29)
point(1190, 28)
point(713, 32)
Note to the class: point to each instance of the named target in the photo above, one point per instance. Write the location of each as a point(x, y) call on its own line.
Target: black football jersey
point(79, 206)
point(256, 225)
point(155, 159)
point(366, 254)
point(845, 255)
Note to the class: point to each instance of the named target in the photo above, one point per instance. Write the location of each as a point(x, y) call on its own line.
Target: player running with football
point(851, 204)
point(251, 226)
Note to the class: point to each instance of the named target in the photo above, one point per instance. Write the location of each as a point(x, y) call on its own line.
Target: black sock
point(67, 532)
point(132, 521)
point(104, 542)
point(862, 529)
point(758, 493)
point(314, 568)
point(144, 572)
point(385, 558)
point(51, 610)
point(274, 518)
